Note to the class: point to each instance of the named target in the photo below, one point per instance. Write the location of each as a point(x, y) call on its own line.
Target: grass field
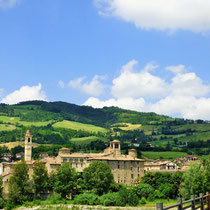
point(127, 126)
point(164, 155)
point(79, 126)
point(84, 140)
point(14, 120)
point(5, 127)
point(11, 145)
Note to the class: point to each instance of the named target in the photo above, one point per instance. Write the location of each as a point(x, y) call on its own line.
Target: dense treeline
point(46, 134)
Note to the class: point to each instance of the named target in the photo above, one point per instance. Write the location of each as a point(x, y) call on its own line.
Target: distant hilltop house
point(125, 168)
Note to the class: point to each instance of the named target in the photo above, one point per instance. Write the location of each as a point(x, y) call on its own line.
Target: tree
point(98, 177)
point(19, 186)
point(193, 181)
point(207, 175)
point(144, 190)
point(65, 180)
point(40, 178)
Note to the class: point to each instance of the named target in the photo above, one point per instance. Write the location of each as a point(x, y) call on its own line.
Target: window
point(138, 163)
point(131, 168)
point(76, 159)
point(132, 176)
point(81, 160)
point(64, 159)
point(116, 146)
point(138, 169)
point(76, 165)
point(81, 164)
point(118, 166)
point(29, 139)
point(138, 175)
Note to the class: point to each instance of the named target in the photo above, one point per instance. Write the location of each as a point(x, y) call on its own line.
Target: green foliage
point(207, 175)
point(98, 177)
point(193, 180)
point(164, 191)
point(166, 185)
point(19, 186)
point(87, 199)
point(112, 199)
point(144, 190)
point(129, 196)
point(65, 180)
point(40, 178)
point(143, 201)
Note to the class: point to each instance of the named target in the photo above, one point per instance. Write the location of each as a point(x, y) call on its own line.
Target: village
point(126, 169)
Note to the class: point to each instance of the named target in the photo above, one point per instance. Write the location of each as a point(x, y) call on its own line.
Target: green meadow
point(163, 155)
point(14, 120)
point(79, 126)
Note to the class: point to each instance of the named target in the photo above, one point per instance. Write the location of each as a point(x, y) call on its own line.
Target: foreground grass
point(79, 126)
point(164, 155)
point(68, 204)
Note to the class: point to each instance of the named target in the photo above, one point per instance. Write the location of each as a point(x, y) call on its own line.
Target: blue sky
point(108, 52)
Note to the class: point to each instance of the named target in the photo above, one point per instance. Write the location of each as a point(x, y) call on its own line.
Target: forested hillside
point(83, 128)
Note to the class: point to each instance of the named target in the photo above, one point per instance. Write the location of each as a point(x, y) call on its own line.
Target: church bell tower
point(28, 146)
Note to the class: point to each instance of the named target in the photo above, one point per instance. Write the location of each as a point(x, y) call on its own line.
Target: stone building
point(125, 168)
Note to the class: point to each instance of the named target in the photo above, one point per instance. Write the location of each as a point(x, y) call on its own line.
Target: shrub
point(133, 199)
point(87, 199)
point(129, 196)
point(144, 190)
point(112, 199)
point(166, 190)
point(55, 199)
point(143, 201)
point(2, 203)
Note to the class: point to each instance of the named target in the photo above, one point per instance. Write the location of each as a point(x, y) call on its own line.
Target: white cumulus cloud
point(94, 88)
point(125, 103)
point(170, 15)
point(8, 3)
point(138, 84)
point(25, 93)
point(184, 95)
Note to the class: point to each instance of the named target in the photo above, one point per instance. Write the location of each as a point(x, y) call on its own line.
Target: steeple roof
point(28, 133)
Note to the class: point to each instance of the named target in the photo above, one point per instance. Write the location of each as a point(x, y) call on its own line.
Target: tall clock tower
point(28, 146)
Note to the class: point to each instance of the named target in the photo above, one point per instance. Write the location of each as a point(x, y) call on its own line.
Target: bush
point(87, 199)
point(55, 199)
point(133, 199)
point(144, 190)
point(112, 199)
point(166, 190)
point(129, 196)
point(2, 203)
point(143, 201)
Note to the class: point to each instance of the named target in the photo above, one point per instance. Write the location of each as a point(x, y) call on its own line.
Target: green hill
point(63, 123)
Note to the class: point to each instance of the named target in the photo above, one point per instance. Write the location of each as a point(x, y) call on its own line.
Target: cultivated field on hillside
point(14, 120)
point(79, 126)
point(163, 155)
